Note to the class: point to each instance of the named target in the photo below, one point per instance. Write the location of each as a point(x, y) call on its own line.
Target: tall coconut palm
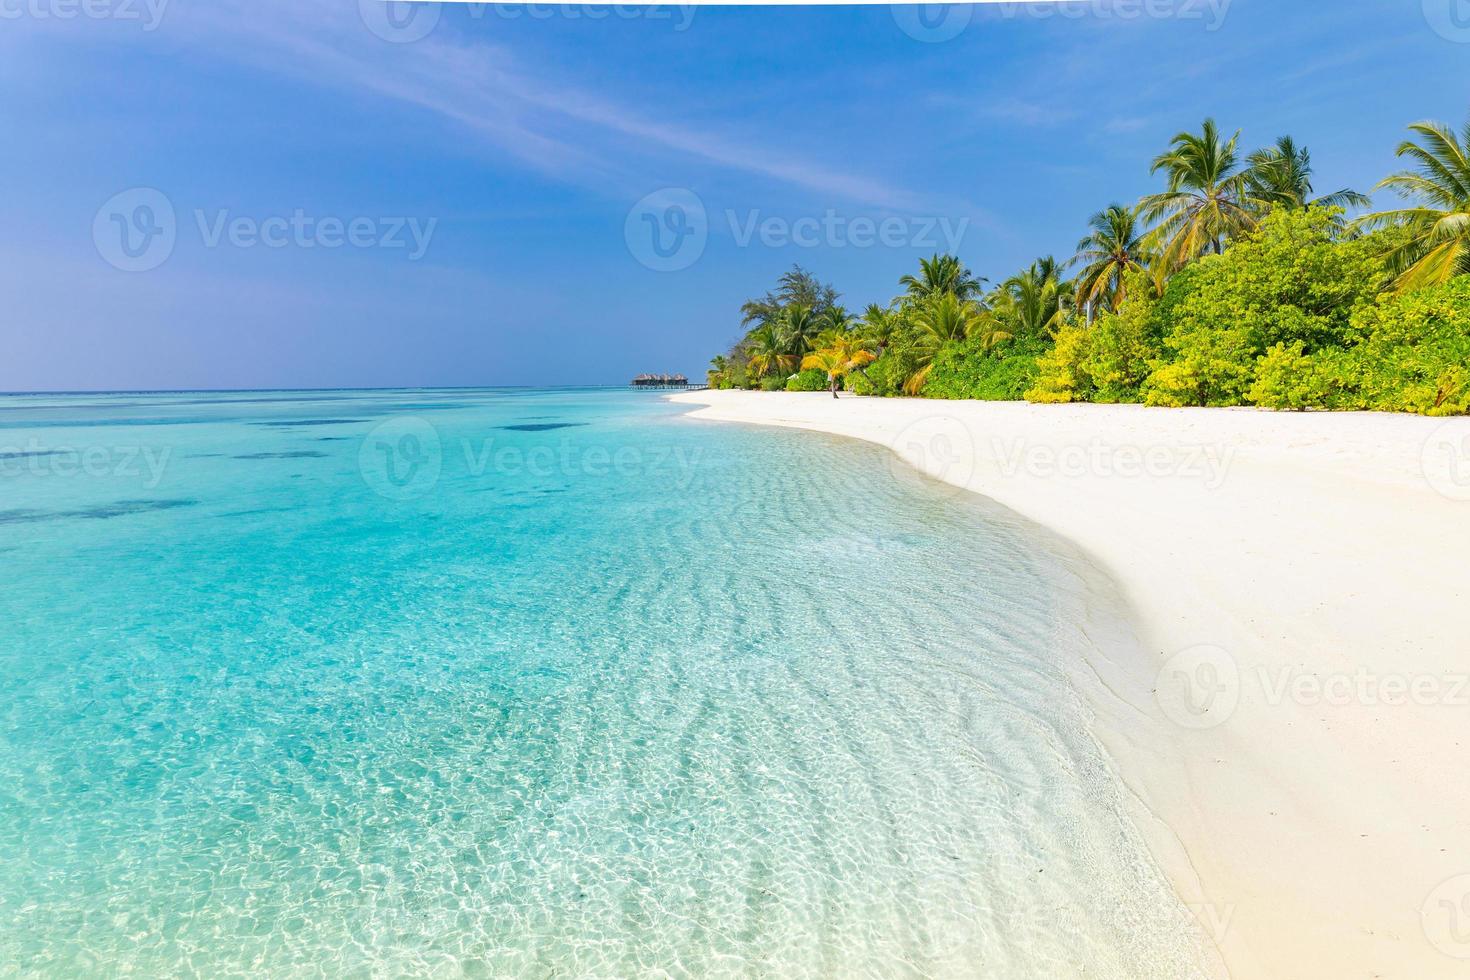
point(1281, 176)
point(1206, 203)
point(941, 274)
point(798, 325)
point(943, 319)
point(835, 318)
point(1114, 247)
point(1435, 246)
point(879, 324)
point(769, 351)
point(841, 355)
point(1032, 302)
point(718, 365)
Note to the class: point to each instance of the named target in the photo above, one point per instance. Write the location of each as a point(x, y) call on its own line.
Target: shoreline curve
point(1294, 720)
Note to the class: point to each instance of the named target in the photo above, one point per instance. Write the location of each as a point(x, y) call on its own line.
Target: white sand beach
point(1296, 722)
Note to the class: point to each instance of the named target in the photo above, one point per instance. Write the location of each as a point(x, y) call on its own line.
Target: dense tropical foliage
point(1237, 284)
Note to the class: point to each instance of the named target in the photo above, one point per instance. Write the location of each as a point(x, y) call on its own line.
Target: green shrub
point(1120, 345)
point(1413, 352)
point(1287, 378)
point(812, 379)
point(773, 383)
point(884, 378)
point(1203, 365)
point(965, 370)
point(1060, 375)
point(1289, 282)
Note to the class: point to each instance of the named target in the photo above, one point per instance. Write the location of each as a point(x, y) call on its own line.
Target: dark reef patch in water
point(294, 454)
point(257, 511)
point(292, 423)
point(35, 453)
point(103, 423)
point(540, 426)
point(123, 508)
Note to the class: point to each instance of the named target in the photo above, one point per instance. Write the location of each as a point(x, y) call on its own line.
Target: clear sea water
point(537, 684)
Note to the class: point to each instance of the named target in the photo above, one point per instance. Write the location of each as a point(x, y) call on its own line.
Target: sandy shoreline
point(1296, 726)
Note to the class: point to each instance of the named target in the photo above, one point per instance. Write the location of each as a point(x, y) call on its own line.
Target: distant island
point(661, 381)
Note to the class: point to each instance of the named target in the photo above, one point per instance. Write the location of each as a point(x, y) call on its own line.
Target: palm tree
point(798, 324)
point(1032, 302)
point(1281, 176)
point(843, 354)
point(941, 274)
point(943, 319)
point(835, 318)
point(1113, 247)
point(1435, 246)
point(879, 324)
point(768, 351)
point(718, 365)
point(1206, 202)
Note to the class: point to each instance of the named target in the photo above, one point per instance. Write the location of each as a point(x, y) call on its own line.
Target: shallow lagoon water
point(532, 684)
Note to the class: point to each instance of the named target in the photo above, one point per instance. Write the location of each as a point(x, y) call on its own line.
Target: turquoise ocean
point(538, 683)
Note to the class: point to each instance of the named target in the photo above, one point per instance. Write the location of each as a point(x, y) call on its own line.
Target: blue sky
point(520, 142)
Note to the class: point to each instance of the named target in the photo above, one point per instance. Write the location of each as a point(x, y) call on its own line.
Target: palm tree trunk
point(832, 383)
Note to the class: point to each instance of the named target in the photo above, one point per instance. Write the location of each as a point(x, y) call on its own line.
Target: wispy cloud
point(546, 124)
